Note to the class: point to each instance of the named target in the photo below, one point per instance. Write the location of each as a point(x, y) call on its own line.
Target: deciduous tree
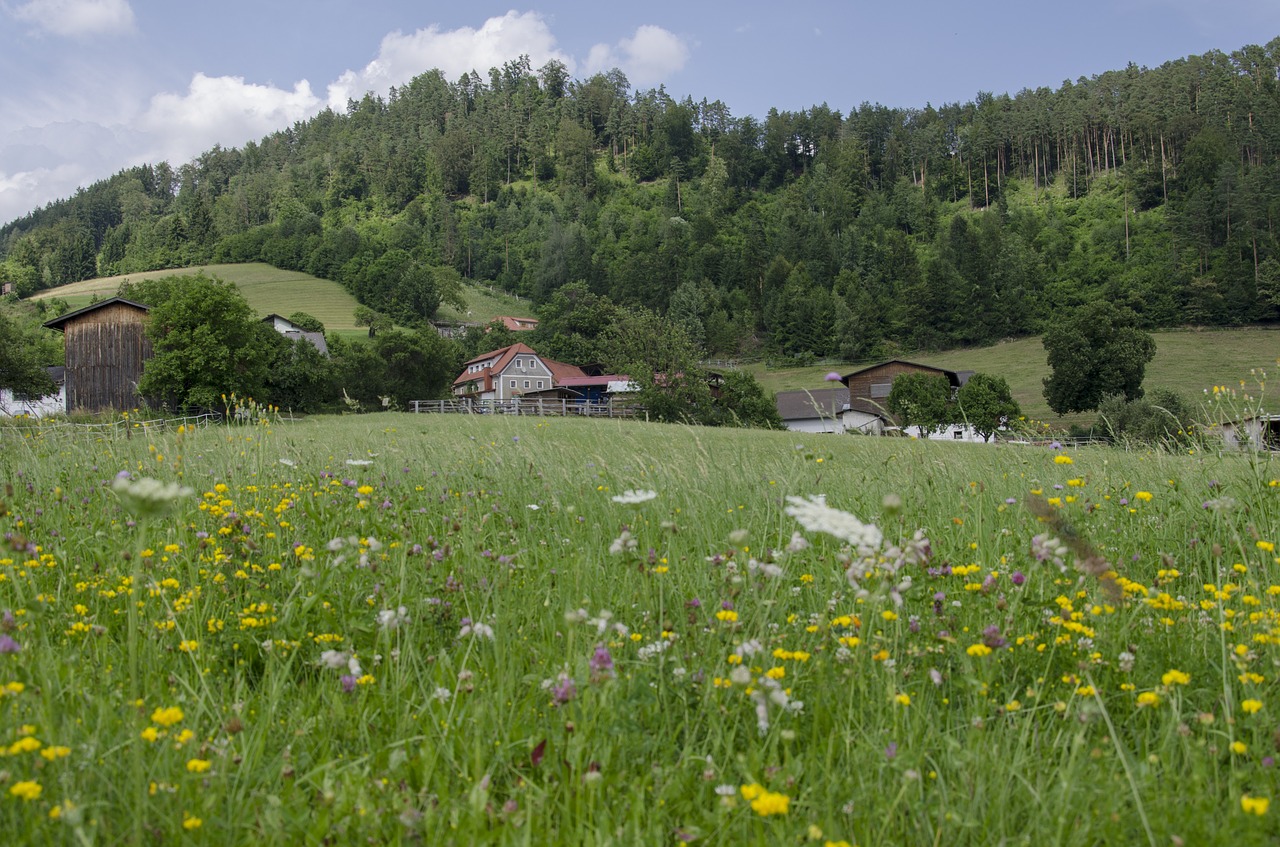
point(921, 400)
point(986, 404)
point(207, 342)
point(1094, 351)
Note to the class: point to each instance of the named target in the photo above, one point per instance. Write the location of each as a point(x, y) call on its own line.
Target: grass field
point(454, 630)
point(272, 290)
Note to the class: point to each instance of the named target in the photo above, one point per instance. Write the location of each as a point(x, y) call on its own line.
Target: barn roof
point(954, 377)
point(59, 323)
point(817, 403)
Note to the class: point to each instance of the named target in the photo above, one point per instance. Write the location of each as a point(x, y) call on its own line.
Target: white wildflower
point(652, 649)
point(393, 618)
point(359, 463)
point(442, 694)
point(624, 543)
point(815, 515)
point(632, 496)
point(146, 497)
point(476, 630)
point(289, 463)
point(334, 659)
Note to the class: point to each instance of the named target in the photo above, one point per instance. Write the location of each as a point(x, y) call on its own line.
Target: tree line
point(804, 235)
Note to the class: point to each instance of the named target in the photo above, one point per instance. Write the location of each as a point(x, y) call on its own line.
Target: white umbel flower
point(815, 515)
point(631, 496)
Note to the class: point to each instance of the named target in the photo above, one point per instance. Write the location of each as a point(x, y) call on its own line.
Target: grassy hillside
point(269, 289)
point(1187, 361)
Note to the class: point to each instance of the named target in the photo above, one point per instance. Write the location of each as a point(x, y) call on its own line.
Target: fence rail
point(535, 407)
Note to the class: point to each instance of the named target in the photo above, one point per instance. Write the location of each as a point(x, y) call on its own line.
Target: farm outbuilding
point(869, 390)
point(106, 346)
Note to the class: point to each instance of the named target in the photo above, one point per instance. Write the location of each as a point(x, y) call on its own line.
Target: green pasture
point(445, 630)
point(1188, 361)
point(272, 290)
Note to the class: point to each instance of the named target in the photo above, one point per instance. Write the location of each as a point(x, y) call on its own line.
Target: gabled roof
point(512, 351)
point(560, 371)
point(59, 322)
point(954, 377)
point(503, 356)
point(818, 403)
point(518, 324)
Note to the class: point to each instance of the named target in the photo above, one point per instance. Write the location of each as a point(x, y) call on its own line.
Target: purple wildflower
point(601, 662)
point(832, 377)
point(992, 638)
point(1018, 577)
point(564, 691)
point(8, 645)
point(348, 682)
point(891, 751)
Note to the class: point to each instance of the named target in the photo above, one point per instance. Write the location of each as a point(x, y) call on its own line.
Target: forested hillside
point(810, 234)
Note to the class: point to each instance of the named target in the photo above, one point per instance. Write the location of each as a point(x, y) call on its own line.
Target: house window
point(957, 435)
point(513, 383)
point(539, 383)
point(526, 383)
point(880, 390)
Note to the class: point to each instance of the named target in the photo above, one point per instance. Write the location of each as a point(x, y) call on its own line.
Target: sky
point(90, 87)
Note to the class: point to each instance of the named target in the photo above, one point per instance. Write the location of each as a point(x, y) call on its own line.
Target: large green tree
point(22, 358)
point(207, 342)
point(1095, 351)
point(986, 404)
point(921, 400)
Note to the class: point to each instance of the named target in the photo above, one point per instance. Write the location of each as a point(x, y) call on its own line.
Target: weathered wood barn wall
point(106, 346)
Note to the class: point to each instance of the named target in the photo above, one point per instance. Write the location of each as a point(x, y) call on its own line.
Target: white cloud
point(77, 18)
point(43, 164)
point(647, 58)
point(220, 110)
point(455, 52)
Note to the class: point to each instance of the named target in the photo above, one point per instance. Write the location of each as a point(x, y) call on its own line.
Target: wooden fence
point(535, 407)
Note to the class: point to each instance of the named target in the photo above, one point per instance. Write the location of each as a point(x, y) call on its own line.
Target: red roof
point(502, 357)
point(518, 324)
point(577, 381)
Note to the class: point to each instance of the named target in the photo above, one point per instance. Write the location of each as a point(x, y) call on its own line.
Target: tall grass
point(538, 688)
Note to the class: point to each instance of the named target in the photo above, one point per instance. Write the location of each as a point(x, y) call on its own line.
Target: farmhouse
point(13, 404)
point(869, 390)
point(510, 372)
point(293, 332)
point(106, 347)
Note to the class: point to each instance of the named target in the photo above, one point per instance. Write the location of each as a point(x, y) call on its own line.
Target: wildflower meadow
point(461, 630)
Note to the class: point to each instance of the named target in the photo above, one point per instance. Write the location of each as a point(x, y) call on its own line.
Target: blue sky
point(88, 87)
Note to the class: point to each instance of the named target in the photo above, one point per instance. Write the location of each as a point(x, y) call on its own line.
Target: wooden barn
point(869, 391)
point(105, 348)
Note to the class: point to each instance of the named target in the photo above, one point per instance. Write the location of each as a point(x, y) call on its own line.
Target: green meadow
point(1189, 361)
point(452, 630)
point(272, 290)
